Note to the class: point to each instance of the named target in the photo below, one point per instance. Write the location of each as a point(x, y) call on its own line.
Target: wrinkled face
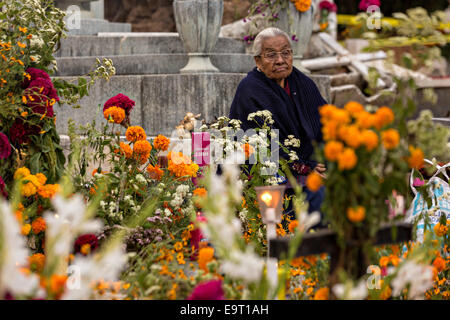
point(273, 64)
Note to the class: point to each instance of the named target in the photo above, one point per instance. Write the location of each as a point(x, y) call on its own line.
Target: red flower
point(90, 239)
point(327, 5)
point(364, 4)
point(5, 146)
point(3, 191)
point(35, 74)
point(20, 132)
point(211, 290)
point(121, 101)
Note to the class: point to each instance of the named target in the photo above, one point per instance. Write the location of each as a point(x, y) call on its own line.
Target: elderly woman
point(292, 98)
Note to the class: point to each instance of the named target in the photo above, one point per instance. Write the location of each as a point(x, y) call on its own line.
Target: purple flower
point(5, 146)
point(3, 191)
point(211, 290)
point(364, 4)
point(294, 38)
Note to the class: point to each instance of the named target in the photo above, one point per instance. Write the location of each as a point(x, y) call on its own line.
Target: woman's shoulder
point(251, 82)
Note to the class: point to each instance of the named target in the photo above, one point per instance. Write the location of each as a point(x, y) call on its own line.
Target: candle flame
point(267, 198)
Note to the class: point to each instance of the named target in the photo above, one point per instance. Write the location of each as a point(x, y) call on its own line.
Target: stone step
point(142, 64)
point(116, 44)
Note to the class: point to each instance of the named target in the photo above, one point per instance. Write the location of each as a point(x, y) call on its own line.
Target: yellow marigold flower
point(365, 120)
point(369, 139)
point(390, 138)
point(357, 214)
point(384, 261)
point(415, 160)
point(37, 262)
point(26, 228)
point(354, 107)
point(48, 191)
point(28, 189)
point(302, 5)
point(114, 114)
point(351, 135)
point(155, 172)
point(439, 264)
point(200, 192)
point(161, 143)
point(330, 130)
point(322, 294)
point(394, 259)
point(21, 45)
point(383, 117)
point(205, 255)
point(347, 159)
point(125, 149)
point(440, 230)
point(23, 30)
point(178, 246)
point(21, 173)
point(314, 181)
point(333, 149)
point(293, 226)
point(135, 133)
point(85, 249)
point(38, 225)
point(41, 178)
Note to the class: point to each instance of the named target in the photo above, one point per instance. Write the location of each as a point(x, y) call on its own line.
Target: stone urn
point(300, 25)
point(198, 24)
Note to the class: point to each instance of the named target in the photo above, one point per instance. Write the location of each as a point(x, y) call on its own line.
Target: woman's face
point(274, 64)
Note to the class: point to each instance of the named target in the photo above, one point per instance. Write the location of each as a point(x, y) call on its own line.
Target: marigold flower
point(57, 284)
point(347, 159)
point(386, 293)
point(314, 181)
point(354, 107)
point(330, 130)
point(248, 150)
point(48, 191)
point(322, 294)
point(28, 189)
point(357, 214)
point(161, 143)
point(369, 139)
point(200, 192)
point(114, 114)
point(293, 226)
point(21, 45)
point(178, 246)
point(21, 173)
point(41, 178)
point(38, 225)
point(383, 117)
point(333, 149)
point(205, 255)
point(351, 135)
point(126, 150)
point(439, 264)
point(26, 228)
point(390, 138)
point(155, 172)
point(415, 160)
point(141, 150)
point(440, 230)
point(302, 5)
point(365, 120)
point(37, 262)
point(135, 133)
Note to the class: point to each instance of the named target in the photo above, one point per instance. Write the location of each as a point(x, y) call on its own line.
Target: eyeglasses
point(285, 54)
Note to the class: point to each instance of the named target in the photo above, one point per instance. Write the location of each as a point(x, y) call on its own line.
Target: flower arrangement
point(325, 7)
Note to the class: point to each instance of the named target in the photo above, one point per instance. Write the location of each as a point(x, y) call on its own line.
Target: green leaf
point(35, 162)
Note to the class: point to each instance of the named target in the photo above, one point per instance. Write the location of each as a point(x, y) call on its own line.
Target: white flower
point(167, 212)
point(307, 220)
point(420, 278)
point(293, 156)
point(14, 255)
point(348, 292)
point(140, 178)
point(246, 266)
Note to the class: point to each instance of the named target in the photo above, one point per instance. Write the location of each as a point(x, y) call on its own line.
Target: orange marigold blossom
point(154, 172)
point(200, 192)
point(330, 130)
point(37, 262)
point(383, 117)
point(314, 181)
point(57, 283)
point(351, 135)
point(365, 120)
point(126, 150)
point(439, 264)
point(302, 5)
point(141, 150)
point(135, 133)
point(347, 159)
point(205, 255)
point(322, 294)
point(293, 226)
point(21, 173)
point(41, 178)
point(354, 107)
point(369, 139)
point(333, 149)
point(440, 230)
point(384, 261)
point(114, 114)
point(26, 228)
point(415, 160)
point(390, 138)
point(161, 143)
point(48, 191)
point(38, 225)
point(357, 214)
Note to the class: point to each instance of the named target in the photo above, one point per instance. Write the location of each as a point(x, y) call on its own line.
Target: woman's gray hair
point(265, 34)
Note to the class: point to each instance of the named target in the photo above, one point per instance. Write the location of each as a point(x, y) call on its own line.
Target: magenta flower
point(327, 5)
point(211, 290)
point(5, 146)
point(418, 182)
point(3, 191)
point(121, 101)
point(364, 4)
